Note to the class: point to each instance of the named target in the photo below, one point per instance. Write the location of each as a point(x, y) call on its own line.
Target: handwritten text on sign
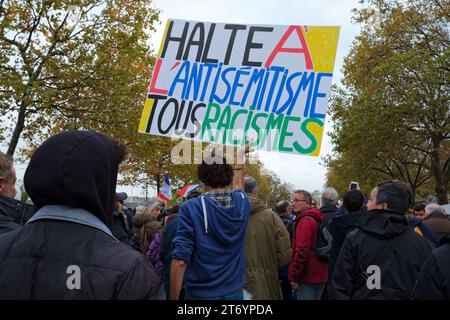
point(229, 83)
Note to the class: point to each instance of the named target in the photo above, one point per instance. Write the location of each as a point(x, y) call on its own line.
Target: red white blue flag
point(165, 193)
point(187, 189)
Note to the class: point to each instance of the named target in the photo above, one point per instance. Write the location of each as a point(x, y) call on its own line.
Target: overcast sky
point(302, 171)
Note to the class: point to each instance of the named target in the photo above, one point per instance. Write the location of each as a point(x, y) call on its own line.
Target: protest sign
point(232, 83)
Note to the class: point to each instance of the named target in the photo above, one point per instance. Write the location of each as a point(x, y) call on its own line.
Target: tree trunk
point(17, 130)
point(158, 183)
point(441, 181)
point(413, 195)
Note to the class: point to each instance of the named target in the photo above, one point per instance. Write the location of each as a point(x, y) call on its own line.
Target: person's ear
point(384, 206)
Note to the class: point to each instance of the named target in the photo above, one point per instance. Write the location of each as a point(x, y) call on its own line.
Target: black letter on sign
point(234, 28)
point(181, 40)
point(194, 120)
point(161, 113)
point(152, 113)
point(208, 44)
point(253, 45)
point(199, 43)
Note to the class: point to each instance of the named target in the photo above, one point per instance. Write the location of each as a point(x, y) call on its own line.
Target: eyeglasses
point(297, 200)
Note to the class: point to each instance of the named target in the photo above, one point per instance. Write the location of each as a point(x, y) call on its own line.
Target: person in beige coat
point(267, 247)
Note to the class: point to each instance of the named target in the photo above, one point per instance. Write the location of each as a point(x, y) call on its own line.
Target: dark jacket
point(424, 230)
point(289, 224)
point(439, 224)
point(363, 246)
point(340, 211)
point(304, 266)
point(211, 242)
point(119, 229)
point(165, 249)
point(72, 180)
point(339, 227)
point(267, 247)
point(13, 214)
point(433, 282)
point(328, 213)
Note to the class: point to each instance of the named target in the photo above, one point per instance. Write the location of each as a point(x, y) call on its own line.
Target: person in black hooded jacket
point(66, 250)
point(433, 282)
point(384, 242)
point(340, 226)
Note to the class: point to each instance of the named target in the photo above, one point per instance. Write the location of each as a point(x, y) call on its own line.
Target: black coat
point(361, 249)
point(339, 227)
point(13, 214)
point(434, 279)
point(328, 213)
point(78, 170)
point(39, 254)
point(118, 228)
point(289, 224)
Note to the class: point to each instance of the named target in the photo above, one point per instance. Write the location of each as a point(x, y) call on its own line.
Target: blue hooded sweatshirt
point(210, 239)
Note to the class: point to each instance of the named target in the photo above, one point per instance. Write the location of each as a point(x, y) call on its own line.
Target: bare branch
point(417, 148)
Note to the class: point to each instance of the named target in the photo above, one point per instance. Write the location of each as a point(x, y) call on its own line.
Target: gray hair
point(329, 197)
point(153, 203)
point(434, 208)
point(306, 195)
point(6, 167)
point(250, 185)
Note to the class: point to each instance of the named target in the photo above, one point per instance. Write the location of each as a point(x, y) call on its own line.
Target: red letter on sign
point(154, 78)
point(303, 49)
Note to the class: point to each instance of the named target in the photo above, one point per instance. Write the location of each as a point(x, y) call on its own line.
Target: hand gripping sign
point(231, 83)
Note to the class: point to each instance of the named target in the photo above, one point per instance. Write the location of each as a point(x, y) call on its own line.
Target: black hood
point(348, 221)
point(383, 224)
point(76, 169)
point(326, 209)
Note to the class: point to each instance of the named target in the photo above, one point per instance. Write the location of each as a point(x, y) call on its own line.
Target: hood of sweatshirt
point(76, 169)
point(383, 224)
point(314, 211)
point(225, 224)
point(348, 221)
point(257, 204)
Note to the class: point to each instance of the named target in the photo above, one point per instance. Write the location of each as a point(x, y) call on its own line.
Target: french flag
point(165, 193)
point(188, 189)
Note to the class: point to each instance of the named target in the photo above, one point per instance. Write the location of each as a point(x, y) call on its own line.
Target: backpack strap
point(297, 221)
point(319, 222)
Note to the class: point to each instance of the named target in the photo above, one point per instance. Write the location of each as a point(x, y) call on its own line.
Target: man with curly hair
point(209, 245)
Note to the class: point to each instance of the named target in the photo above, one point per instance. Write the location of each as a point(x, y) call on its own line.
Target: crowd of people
point(223, 244)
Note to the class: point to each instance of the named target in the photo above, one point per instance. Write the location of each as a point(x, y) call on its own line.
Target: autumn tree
point(71, 63)
point(392, 116)
point(151, 157)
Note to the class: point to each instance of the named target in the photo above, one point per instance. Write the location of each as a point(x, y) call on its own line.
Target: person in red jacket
point(308, 275)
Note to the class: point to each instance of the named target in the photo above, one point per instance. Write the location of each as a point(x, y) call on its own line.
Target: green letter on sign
point(311, 137)
point(207, 121)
